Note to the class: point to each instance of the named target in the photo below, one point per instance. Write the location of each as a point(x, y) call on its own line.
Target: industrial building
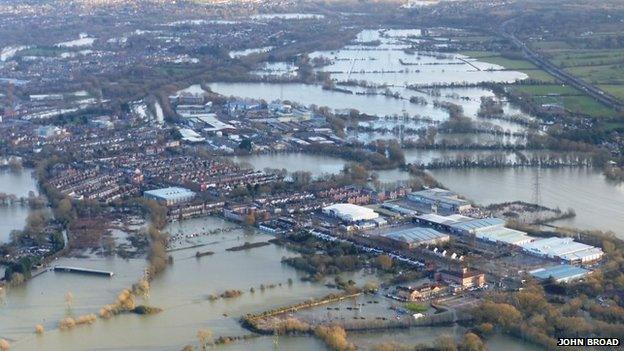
point(170, 196)
point(487, 229)
point(440, 199)
point(477, 225)
point(351, 213)
point(565, 249)
point(561, 273)
point(505, 236)
point(415, 236)
point(441, 222)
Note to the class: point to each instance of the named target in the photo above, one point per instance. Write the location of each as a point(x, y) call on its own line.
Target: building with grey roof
point(415, 236)
point(477, 225)
point(440, 199)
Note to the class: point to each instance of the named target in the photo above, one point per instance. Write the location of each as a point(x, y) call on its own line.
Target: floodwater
point(599, 203)
point(315, 95)
point(388, 63)
point(182, 292)
point(19, 184)
point(317, 165)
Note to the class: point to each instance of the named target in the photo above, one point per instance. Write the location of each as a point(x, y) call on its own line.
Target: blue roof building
point(561, 273)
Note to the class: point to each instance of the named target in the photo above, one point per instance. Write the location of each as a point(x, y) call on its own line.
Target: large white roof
point(565, 248)
point(351, 212)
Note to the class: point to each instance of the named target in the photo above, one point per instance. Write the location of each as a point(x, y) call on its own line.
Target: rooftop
point(416, 235)
point(479, 224)
point(351, 212)
point(170, 193)
point(447, 220)
point(565, 248)
point(506, 235)
point(562, 272)
point(441, 195)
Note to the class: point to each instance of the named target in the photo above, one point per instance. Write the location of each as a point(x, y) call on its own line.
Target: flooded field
point(599, 204)
point(385, 80)
point(389, 63)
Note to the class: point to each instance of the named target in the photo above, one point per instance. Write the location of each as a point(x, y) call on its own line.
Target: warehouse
point(351, 213)
point(561, 273)
point(415, 236)
point(565, 249)
point(477, 225)
point(505, 236)
point(441, 222)
point(439, 199)
point(170, 196)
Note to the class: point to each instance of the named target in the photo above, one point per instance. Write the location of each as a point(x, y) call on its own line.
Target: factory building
point(416, 236)
point(505, 236)
point(438, 199)
point(565, 249)
point(170, 196)
point(350, 213)
point(561, 273)
point(441, 222)
point(477, 225)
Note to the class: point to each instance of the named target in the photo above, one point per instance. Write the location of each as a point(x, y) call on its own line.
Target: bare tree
point(205, 338)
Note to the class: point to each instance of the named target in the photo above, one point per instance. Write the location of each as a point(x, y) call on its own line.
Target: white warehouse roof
point(171, 193)
point(350, 212)
point(505, 235)
point(564, 248)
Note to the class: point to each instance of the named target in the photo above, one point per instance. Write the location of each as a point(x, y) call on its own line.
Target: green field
point(574, 58)
point(545, 90)
point(615, 90)
point(510, 63)
point(571, 99)
point(479, 54)
point(523, 66)
point(550, 45)
point(609, 74)
point(611, 126)
point(578, 104)
point(539, 75)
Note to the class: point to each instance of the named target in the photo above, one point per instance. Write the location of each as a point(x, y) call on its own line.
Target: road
point(567, 78)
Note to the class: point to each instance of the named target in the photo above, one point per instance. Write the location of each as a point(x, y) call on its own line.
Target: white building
point(170, 196)
point(350, 213)
point(505, 235)
point(565, 249)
